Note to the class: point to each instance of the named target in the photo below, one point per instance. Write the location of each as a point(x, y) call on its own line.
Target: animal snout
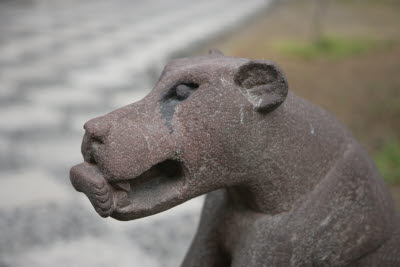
point(97, 129)
point(96, 132)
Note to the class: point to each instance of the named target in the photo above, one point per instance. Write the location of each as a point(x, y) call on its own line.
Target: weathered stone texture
point(286, 184)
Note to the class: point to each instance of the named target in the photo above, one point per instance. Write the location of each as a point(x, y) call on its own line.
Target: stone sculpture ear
point(215, 52)
point(263, 83)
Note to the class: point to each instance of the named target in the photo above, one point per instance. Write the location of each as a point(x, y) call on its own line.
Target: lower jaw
point(149, 198)
point(159, 188)
point(154, 191)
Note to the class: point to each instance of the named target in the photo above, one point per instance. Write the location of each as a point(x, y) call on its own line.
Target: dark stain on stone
point(174, 96)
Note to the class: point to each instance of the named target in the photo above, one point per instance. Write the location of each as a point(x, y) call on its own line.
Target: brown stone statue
point(286, 183)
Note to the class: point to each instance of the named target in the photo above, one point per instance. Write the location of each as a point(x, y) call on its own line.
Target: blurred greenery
point(332, 47)
point(388, 161)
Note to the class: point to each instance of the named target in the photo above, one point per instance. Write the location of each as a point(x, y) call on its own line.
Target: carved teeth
point(126, 186)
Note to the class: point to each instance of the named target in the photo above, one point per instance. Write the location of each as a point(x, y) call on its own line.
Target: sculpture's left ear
point(263, 83)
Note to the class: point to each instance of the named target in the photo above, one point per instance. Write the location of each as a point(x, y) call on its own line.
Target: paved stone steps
point(62, 63)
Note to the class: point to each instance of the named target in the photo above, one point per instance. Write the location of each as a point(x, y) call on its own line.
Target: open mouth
point(155, 190)
point(161, 174)
point(168, 169)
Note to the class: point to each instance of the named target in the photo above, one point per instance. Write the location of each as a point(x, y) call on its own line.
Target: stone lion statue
point(286, 183)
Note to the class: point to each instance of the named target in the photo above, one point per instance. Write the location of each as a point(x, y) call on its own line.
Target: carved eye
point(182, 91)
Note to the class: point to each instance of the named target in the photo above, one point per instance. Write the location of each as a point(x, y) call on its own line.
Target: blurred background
point(65, 62)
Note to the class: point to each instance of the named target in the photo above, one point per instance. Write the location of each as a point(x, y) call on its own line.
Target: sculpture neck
point(284, 163)
point(271, 196)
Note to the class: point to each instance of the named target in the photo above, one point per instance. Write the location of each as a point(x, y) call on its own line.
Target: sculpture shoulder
point(319, 120)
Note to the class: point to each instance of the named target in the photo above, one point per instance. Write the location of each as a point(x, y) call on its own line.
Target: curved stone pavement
point(62, 63)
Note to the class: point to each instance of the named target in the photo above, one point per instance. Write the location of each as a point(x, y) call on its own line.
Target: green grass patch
point(388, 162)
point(330, 47)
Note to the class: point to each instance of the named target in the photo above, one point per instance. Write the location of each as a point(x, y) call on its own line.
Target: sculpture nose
point(96, 132)
point(97, 129)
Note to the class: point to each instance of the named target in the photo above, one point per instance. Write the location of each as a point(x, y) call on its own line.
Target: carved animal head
point(192, 134)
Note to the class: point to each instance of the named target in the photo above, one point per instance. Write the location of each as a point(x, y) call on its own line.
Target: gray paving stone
point(52, 152)
point(103, 76)
point(121, 99)
point(30, 226)
point(62, 96)
point(87, 251)
point(30, 187)
point(61, 64)
point(7, 90)
point(28, 116)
